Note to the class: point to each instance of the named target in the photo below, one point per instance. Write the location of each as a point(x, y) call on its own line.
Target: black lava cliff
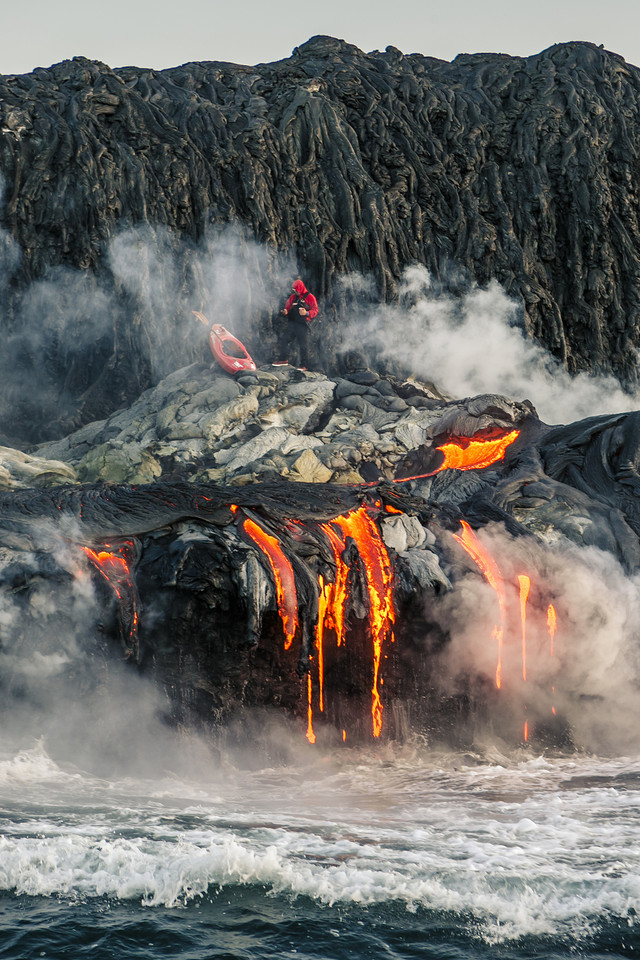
point(521, 170)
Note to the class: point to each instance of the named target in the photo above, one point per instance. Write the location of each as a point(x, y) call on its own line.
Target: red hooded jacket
point(310, 303)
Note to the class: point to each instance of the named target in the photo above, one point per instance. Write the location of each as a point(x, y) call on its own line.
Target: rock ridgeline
point(523, 170)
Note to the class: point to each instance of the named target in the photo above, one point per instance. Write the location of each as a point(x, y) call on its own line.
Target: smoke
point(64, 684)
point(134, 314)
point(585, 681)
point(473, 343)
point(229, 276)
point(241, 280)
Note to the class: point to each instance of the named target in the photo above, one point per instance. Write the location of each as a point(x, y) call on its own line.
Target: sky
point(166, 33)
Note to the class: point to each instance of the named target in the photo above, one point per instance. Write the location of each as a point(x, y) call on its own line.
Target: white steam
point(471, 344)
point(231, 277)
point(67, 325)
point(592, 678)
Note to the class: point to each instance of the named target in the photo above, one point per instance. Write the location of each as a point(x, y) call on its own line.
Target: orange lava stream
point(477, 454)
point(525, 587)
point(474, 455)
point(337, 591)
point(287, 597)
point(324, 600)
point(113, 568)
point(116, 571)
point(551, 626)
point(491, 572)
point(359, 525)
point(311, 737)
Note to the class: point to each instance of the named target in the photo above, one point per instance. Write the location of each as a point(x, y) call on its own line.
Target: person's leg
point(288, 342)
point(303, 343)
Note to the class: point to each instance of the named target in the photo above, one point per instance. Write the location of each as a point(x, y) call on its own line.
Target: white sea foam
point(518, 847)
point(29, 766)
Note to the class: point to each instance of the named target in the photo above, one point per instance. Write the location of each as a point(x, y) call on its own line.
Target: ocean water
point(396, 851)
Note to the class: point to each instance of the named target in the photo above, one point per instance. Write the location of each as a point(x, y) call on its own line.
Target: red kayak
point(232, 355)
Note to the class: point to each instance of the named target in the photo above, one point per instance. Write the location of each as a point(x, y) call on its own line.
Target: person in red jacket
point(300, 309)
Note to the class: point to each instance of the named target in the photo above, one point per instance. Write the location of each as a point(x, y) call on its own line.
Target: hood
point(299, 287)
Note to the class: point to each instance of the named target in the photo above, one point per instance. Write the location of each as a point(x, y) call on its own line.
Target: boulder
point(19, 470)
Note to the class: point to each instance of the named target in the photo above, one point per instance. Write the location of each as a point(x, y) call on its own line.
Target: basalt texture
point(522, 170)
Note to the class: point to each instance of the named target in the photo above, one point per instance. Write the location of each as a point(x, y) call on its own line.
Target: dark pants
point(295, 342)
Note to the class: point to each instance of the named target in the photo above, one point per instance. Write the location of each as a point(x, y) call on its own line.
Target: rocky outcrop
point(522, 170)
point(279, 423)
point(285, 426)
point(289, 540)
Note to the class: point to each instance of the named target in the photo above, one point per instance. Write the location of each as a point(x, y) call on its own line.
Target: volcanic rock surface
point(290, 540)
point(519, 170)
point(313, 541)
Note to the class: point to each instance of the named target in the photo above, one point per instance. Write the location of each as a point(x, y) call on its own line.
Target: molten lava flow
point(551, 626)
point(360, 527)
point(311, 737)
point(469, 454)
point(525, 586)
point(476, 454)
point(323, 606)
point(113, 563)
point(338, 590)
point(491, 572)
point(287, 598)
point(113, 568)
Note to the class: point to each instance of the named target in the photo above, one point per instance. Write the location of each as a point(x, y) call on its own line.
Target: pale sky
point(165, 33)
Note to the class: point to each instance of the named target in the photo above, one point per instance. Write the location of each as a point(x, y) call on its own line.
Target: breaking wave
point(511, 847)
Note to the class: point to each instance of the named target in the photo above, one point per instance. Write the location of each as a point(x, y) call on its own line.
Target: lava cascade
point(491, 572)
point(283, 574)
point(361, 528)
point(114, 563)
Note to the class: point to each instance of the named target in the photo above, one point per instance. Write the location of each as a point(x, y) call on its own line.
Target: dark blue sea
point(397, 851)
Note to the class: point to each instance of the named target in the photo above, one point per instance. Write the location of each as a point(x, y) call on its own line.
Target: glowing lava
point(113, 568)
point(360, 527)
point(311, 737)
point(332, 599)
point(491, 572)
point(338, 591)
point(324, 601)
point(113, 563)
point(466, 454)
point(476, 454)
point(525, 586)
point(287, 598)
point(551, 627)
